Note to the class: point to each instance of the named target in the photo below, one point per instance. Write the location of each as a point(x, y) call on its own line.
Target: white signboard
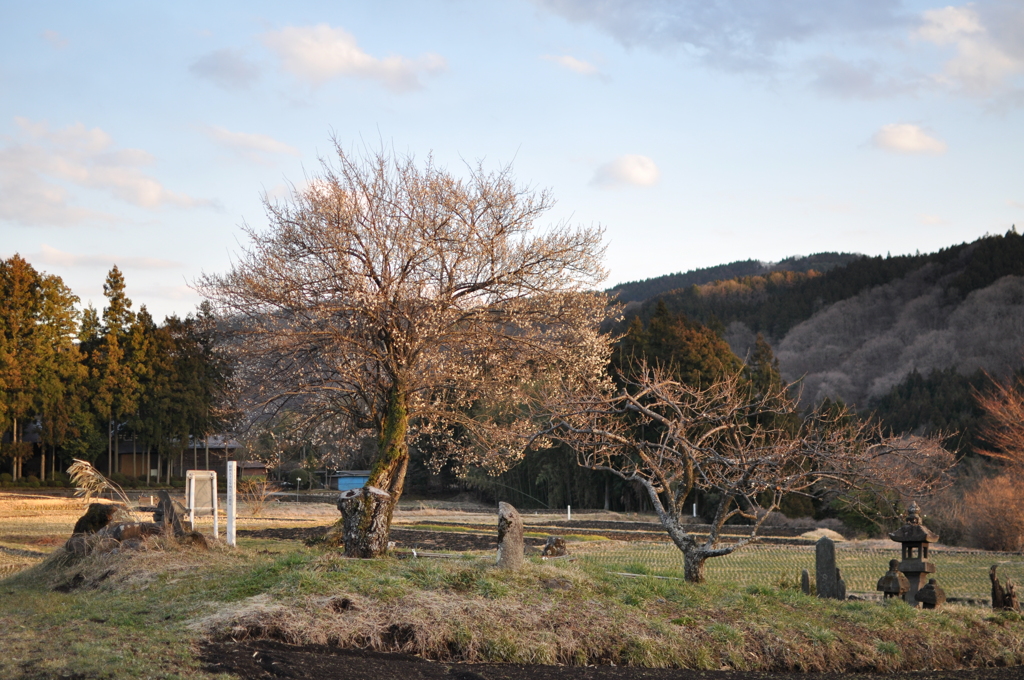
point(201, 494)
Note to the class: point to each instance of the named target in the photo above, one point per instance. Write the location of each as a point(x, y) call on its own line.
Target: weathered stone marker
point(510, 537)
point(840, 585)
point(1003, 598)
point(825, 573)
point(805, 582)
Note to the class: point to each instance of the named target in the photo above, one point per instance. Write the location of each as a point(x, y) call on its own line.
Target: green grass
point(146, 618)
point(960, 574)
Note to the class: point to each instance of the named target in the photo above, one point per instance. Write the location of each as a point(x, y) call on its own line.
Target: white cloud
point(320, 53)
point(573, 64)
point(227, 68)
point(36, 169)
point(907, 138)
point(56, 40)
point(984, 61)
point(54, 257)
point(251, 146)
point(630, 169)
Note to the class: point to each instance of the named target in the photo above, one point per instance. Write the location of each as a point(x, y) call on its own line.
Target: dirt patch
point(252, 660)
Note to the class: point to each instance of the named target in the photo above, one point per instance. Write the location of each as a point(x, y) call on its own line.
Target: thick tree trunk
point(693, 564)
point(366, 516)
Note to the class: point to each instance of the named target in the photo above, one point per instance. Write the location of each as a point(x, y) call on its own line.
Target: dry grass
point(141, 613)
point(469, 611)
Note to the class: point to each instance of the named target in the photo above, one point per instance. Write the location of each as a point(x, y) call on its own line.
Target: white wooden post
point(232, 484)
point(192, 503)
point(216, 519)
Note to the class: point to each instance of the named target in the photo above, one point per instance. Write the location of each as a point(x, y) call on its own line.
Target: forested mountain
point(909, 335)
point(637, 291)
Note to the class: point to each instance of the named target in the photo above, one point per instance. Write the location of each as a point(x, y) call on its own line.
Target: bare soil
point(262, 660)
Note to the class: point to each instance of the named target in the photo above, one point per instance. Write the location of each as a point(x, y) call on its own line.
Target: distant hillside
point(858, 330)
point(637, 291)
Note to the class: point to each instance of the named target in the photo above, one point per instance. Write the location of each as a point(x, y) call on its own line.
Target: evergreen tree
point(116, 387)
point(20, 301)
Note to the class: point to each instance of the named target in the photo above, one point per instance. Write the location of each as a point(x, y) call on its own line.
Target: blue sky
point(695, 132)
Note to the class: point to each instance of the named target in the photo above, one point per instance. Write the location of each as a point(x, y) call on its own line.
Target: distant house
point(344, 480)
point(131, 457)
point(252, 468)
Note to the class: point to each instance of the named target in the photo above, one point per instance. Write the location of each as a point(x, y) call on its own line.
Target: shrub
point(995, 514)
point(32, 482)
point(6, 477)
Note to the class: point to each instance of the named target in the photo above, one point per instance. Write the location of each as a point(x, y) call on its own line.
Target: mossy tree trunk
point(366, 513)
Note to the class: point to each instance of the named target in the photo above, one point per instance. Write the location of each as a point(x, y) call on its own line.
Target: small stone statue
point(840, 585)
point(931, 596)
point(894, 583)
point(805, 582)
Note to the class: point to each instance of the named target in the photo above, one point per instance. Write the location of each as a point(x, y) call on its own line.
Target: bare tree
point(1003, 430)
point(725, 438)
point(409, 302)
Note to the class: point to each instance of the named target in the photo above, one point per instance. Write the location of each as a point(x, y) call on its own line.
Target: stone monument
point(825, 573)
point(914, 538)
point(510, 537)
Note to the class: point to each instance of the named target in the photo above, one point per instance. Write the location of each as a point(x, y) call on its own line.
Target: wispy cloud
point(251, 146)
point(907, 138)
point(36, 168)
point(227, 68)
point(985, 59)
point(573, 64)
point(627, 170)
point(320, 53)
point(59, 258)
point(735, 35)
point(56, 40)
point(860, 79)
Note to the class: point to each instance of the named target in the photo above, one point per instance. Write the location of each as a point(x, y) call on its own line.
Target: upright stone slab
point(825, 568)
point(510, 537)
point(805, 582)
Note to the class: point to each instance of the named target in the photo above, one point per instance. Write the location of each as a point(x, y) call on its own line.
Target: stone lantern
point(914, 538)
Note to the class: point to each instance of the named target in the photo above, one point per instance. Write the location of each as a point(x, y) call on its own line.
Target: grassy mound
point(141, 613)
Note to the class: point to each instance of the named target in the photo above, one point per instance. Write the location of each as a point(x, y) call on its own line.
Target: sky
point(694, 132)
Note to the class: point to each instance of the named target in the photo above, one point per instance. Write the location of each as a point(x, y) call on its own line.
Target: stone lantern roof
point(913, 531)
